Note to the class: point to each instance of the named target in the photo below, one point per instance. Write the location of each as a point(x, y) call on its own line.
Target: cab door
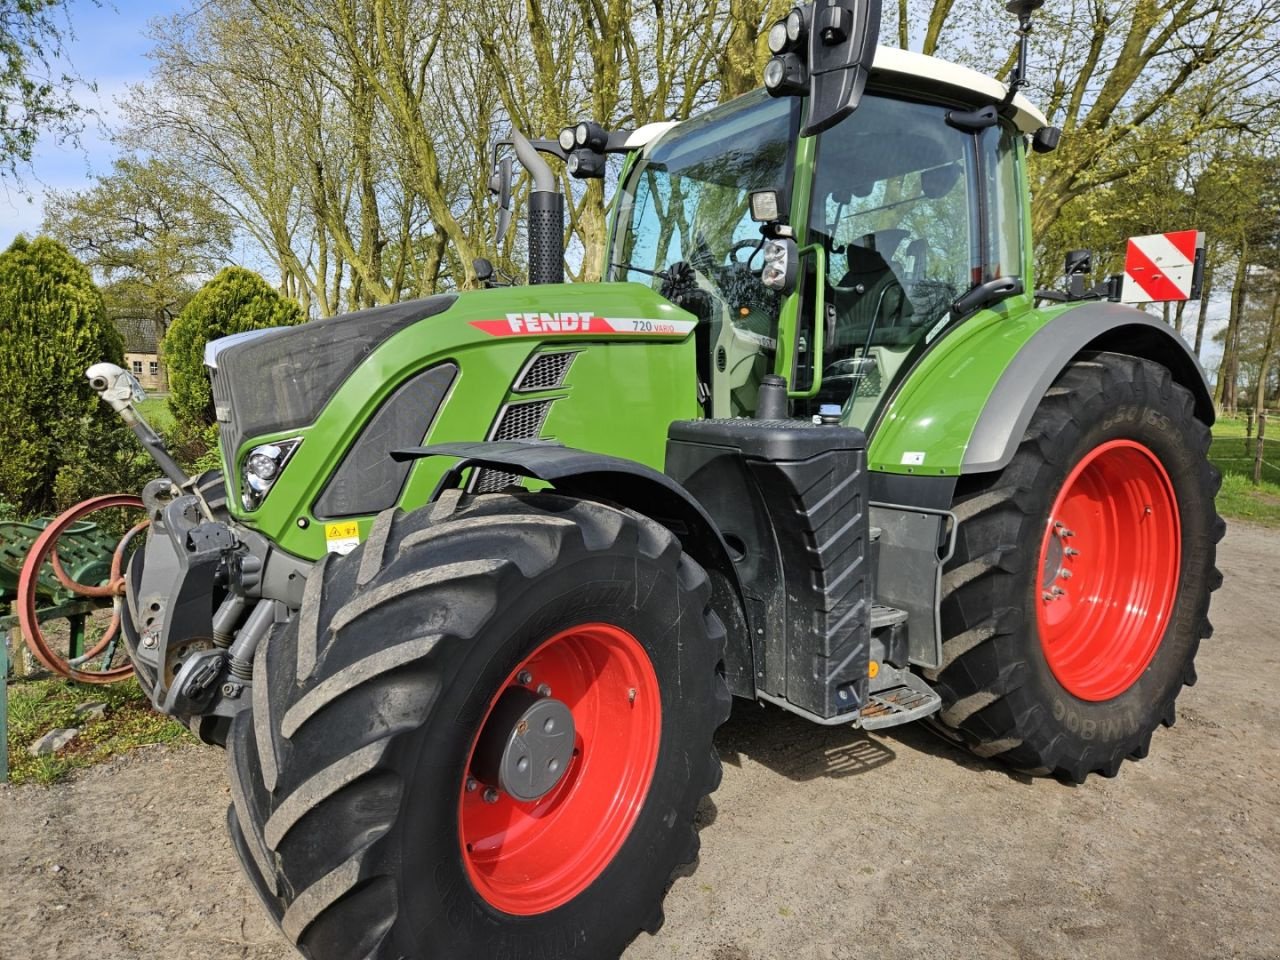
point(908, 212)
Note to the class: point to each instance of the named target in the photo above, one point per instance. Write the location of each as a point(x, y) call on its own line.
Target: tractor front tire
point(1079, 590)
point(384, 802)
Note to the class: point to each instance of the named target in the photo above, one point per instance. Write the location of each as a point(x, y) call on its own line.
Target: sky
point(110, 47)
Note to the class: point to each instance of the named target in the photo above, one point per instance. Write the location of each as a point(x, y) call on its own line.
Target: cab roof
point(892, 65)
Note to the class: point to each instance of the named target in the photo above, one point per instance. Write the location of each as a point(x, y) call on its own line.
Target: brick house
point(141, 353)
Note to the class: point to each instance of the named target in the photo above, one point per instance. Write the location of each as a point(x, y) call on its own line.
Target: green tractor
point(483, 572)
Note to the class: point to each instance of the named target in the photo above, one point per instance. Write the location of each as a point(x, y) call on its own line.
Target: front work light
point(262, 468)
point(779, 271)
point(785, 75)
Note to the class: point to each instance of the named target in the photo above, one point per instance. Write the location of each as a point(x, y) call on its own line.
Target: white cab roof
point(904, 63)
point(893, 61)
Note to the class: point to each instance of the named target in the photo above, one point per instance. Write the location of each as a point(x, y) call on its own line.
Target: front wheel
point(485, 734)
point(1079, 590)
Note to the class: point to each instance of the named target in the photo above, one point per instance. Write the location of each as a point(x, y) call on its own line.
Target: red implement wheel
point(1079, 589)
point(1109, 570)
point(45, 550)
point(485, 734)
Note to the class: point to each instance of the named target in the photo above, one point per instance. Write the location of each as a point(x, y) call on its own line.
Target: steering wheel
point(754, 245)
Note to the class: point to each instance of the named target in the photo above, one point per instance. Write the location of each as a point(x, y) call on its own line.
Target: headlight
point(261, 469)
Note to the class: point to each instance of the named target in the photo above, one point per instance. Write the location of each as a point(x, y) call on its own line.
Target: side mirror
point(500, 186)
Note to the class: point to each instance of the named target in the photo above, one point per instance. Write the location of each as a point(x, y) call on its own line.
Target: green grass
point(1239, 499)
point(1233, 454)
point(155, 410)
point(38, 706)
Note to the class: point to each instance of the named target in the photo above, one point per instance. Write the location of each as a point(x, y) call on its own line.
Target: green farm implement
point(482, 573)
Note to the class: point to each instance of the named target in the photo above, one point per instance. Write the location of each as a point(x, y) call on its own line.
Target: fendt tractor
point(482, 572)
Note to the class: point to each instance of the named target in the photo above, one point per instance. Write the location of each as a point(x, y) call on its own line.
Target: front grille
point(516, 421)
point(546, 372)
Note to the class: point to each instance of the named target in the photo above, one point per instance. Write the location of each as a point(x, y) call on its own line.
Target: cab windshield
point(686, 204)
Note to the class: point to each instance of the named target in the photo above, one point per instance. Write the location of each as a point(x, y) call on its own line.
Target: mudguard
point(964, 408)
point(626, 483)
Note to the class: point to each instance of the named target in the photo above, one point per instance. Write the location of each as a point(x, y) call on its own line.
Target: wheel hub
point(526, 745)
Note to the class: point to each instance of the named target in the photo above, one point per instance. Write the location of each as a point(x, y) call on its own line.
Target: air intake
point(516, 421)
point(545, 372)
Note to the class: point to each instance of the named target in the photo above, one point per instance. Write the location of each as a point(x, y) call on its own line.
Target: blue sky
point(110, 47)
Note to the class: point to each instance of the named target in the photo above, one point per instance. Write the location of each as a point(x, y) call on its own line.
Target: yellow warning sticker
point(341, 537)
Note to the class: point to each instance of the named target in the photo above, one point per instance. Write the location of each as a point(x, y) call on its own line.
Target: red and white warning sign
point(1163, 266)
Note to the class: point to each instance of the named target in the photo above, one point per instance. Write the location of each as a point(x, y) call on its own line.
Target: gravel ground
point(821, 844)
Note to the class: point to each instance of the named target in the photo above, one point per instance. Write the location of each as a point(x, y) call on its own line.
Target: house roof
point(139, 334)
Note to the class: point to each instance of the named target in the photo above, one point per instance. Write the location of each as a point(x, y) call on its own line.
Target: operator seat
point(869, 301)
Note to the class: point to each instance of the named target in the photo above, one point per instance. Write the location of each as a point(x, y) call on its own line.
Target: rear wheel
point(485, 734)
point(1079, 591)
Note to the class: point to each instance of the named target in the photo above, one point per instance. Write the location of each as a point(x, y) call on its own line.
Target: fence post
point(1257, 450)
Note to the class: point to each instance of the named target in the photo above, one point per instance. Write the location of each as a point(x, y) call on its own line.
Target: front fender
point(965, 406)
point(625, 483)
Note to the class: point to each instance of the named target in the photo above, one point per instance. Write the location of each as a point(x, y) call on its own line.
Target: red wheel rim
point(528, 858)
point(1109, 565)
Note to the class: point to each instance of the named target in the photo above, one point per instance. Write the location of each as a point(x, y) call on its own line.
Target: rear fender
point(1093, 327)
point(624, 483)
point(967, 403)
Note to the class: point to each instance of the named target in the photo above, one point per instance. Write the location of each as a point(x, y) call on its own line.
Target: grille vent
point(546, 372)
point(517, 421)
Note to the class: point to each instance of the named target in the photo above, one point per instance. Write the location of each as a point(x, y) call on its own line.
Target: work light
point(785, 75)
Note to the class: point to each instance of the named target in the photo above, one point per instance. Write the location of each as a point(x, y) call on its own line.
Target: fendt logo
point(538, 324)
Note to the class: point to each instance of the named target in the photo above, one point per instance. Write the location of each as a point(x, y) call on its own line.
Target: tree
point(147, 230)
point(34, 97)
point(235, 301)
point(53, 327)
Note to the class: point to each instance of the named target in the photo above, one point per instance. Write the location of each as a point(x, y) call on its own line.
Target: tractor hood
point(279, 379)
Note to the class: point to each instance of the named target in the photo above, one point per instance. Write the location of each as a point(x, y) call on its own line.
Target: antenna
point(1022, 9)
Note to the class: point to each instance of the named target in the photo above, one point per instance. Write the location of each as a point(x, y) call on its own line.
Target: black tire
point(346, 774)
point(1000, 696)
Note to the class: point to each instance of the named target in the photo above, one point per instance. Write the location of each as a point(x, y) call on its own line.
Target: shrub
point(52, 328)
point(234, 301)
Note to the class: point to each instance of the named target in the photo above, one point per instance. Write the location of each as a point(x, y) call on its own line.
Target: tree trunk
point(1225, 389)
point(1206, 292)
point(1268, 354)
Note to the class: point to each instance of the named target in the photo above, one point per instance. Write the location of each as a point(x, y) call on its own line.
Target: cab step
point(910, 700)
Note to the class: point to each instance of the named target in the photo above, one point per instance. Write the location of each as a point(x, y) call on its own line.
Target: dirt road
point(821, 844)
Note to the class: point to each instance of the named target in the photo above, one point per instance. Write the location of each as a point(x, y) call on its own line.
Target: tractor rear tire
point(369, 809)
point(1079, 590)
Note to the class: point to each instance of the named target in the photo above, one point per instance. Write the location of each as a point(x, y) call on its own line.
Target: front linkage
point(203, 592)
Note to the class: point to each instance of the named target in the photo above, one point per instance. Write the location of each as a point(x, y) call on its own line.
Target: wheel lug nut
point(1064, 573)
point(472, 785)
point(544, 690)
point(631, 695)
point(1071, 552)
point(524, 677)
point(490, 795)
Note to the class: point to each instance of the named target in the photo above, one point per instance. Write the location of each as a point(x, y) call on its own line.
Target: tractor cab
point(905, 206)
